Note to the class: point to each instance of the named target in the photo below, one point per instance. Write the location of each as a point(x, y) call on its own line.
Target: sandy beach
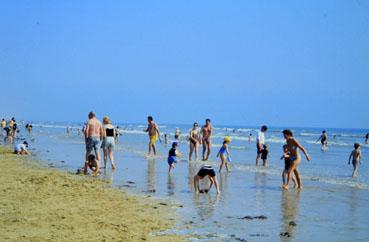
point(41, 204)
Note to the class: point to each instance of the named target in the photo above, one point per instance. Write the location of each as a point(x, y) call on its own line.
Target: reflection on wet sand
point(151, 175)
point(205, 205)
point(107, 176)
point(290, 202)
point(171, 184)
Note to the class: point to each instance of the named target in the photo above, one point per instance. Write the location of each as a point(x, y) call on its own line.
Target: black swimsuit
point(206, 171)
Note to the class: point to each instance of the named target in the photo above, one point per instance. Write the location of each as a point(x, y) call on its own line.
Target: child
point(173, 156)
point(224, 154)
point(264, 155)
point(21, 149)
point(287, 164)
point(203, 172)
point(356, 157)
point(93, 164)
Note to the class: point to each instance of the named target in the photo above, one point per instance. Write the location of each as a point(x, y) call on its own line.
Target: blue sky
point(283, 63)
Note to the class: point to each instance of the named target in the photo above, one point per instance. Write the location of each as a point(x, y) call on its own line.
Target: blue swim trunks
point(172, 159)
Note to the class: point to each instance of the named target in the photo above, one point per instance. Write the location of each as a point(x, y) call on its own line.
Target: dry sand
point(40, 204)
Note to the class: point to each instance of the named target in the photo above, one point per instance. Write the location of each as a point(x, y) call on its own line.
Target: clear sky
point(282, 63)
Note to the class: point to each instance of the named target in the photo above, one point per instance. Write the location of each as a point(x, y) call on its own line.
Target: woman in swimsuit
point(194, 141)
point(224, 154)
point(292, 146)
point(108, 143)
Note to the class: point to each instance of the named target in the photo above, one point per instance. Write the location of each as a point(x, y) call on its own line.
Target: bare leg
point(284, 174)
point(265, 163)
point(257, 159)
point(209, 149)
point(197, 151)
point(97, 152)
point(111, 157)
point(105, 157)
point(204, 144)
point(191, 150)
point(354, 172)
point(154, 149)
point(298, 178)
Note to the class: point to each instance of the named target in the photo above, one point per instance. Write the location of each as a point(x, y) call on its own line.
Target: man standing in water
point(154, 135)
point(93, 135)
point(323, 140)
point(260, 141)
point(206, 132)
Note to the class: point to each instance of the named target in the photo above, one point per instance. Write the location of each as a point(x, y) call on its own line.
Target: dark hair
point(91, 157)
point(150, 118)
point(287, 132)
point(356, 145)
point(91, 115)
point(195, 124)
point(174, 144)
point(208, 120)
point(324, 131)
point(25, 143)
point(264, 127)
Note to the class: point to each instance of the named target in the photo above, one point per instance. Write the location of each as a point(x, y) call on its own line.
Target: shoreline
point(39, 203)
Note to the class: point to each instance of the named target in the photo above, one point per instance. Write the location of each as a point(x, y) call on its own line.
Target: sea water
point(331, 207)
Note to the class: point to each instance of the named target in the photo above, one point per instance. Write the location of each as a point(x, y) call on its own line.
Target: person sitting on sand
point(21, 149)
point(91, 164)
point(154, 135)
point(224, 154)
point(205, 171)
point(356, 158)
point(173, 156)
point(292, 146)
point(287, 164)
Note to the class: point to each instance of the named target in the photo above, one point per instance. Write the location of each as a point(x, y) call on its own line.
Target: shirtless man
point(93, 135)
point(206, 131)
point(154, 135)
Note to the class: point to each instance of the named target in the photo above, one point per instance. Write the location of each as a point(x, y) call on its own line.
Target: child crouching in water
point(173, 156)
point(93, 164)
point(224, 154)
point(287, 164)
point(356, 158)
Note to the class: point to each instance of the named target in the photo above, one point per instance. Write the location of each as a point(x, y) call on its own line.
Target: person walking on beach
point(224, 154)
point(356, 158)
point(93, 135)
point(260, 141)
point(287, 164)
point(194, 141)
point(293, 147)
point(367, 138)
point(108, 143)
point(154, 135)
point(206, 132)
point(205, 171)
point(323, 140)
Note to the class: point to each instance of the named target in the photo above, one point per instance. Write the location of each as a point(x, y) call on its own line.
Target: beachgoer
point(356, 158)
point(250, 136)
point(93, 135)
point(292, 146)
point(29, 128)
point(165, 138)
point(287, 164)
point(367, 138)
point(154, 135)
point(205, 171)
point(224, 154)
point(260, 141)
point(177, 134)
point(21, 149)
point(264, 155)
point(323, 139)
point(91, 163)
point(194, 141)
point(108, 143)
point(9, 134)
point(173, 156)
point(206, 132)
point(117, 134)
point(3, 123)
point(78, 131)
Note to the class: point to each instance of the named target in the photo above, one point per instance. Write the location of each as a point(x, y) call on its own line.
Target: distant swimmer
point(286, 156)
point(21, 149)
point(165, 139)
point(173, 156)
point(194, 139)
point(206, 132)
point(154, 135)
point(293, 147)
point(205, 171)
point(93, 135)
point(367, 138)
point(224, 155)
point(323, 140)
point(29, 128)
point(68, 130)
point(264, 155)
point(356, 158)
point(177, 134)
point(250, 136)
point(108, 143)
point(117, 134)
point(260, 141)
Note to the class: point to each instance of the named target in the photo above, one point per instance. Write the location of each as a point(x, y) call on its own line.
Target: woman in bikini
point(194, 141)
point(295, 158)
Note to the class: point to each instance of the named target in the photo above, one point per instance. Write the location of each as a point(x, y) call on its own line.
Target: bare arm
point(211, 183)
point(360, 157)
point(87, 130)
point(216, 184)
point(351, 155)
point(302, 149)
point(319, 138)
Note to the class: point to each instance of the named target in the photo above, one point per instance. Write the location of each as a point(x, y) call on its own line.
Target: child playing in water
point(287, 164)
point(21, 149)
point(264, 155)
point(173, 156)
point(356, 157)
point(93, 164)
point(224, 154)
point(203, 172)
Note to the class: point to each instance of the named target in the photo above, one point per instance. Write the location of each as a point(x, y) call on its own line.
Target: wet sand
point(39, 204)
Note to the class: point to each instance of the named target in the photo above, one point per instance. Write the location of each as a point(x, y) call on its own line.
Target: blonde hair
point(106, 120)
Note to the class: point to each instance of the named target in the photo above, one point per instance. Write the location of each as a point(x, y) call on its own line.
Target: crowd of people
point(104, 136)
